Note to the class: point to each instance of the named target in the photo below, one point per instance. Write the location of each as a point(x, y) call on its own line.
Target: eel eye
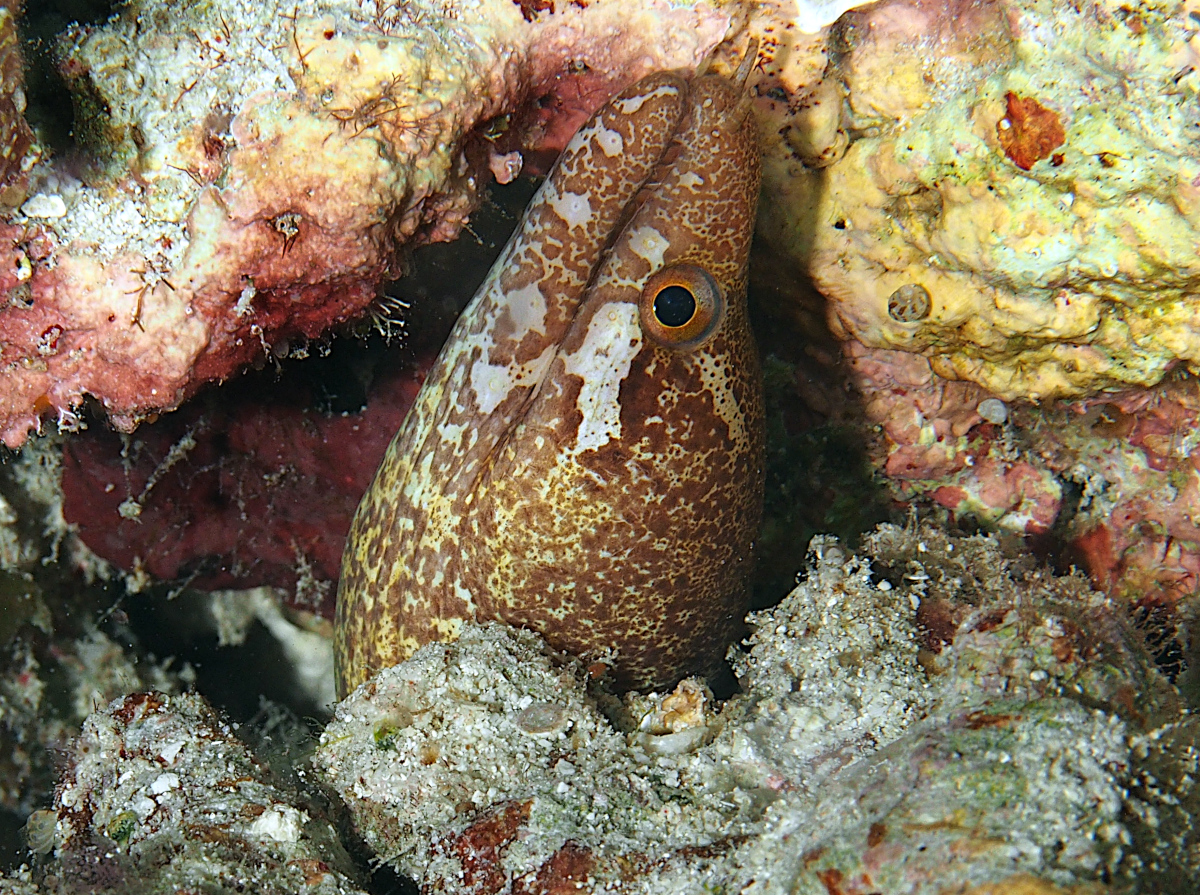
point(681, 306)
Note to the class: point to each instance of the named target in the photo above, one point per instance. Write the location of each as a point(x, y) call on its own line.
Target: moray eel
point(586, 456)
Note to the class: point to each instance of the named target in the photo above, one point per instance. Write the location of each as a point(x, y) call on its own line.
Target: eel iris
point(586, 456)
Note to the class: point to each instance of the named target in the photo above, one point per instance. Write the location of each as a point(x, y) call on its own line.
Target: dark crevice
point(49, 106)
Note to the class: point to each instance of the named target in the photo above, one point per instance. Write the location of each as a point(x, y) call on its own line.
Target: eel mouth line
point(666, 161)
point(650, 185)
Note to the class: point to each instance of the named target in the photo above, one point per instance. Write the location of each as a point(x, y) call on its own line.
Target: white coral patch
point(42, 205)
point(164, 783)
point(171, 751)
point(281, 823)
point(602, 362)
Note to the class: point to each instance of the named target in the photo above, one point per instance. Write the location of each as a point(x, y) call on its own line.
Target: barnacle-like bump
point(41, 830)
point(542, 717)
point(681, 306)
point(993, 410)
point(387, 730)
point(910, 303)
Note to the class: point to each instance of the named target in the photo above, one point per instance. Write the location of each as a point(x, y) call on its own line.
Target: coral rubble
point(45, 694)
point(56, 665)
point(934, 719)
point(161, 796)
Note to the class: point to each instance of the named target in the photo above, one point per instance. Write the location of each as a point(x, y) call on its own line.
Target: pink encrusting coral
point(1117, 476)
point(253, 173)
point(1134, 457)
point(939, 444)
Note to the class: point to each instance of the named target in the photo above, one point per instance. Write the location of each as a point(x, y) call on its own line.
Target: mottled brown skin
point(562, 470)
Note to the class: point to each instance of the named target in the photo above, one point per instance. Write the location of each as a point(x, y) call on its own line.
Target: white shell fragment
point(44, 206)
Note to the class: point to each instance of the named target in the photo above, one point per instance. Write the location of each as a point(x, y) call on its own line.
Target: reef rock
point(56, 665)
point(933, 719)
point(1115, 478)
point(161, 796)
point(254, 168)
point(998, 198)
point(1019, 198)
point(18, 149)
point(234, 491)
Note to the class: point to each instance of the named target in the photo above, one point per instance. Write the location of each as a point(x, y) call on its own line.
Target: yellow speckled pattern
point(561, 470)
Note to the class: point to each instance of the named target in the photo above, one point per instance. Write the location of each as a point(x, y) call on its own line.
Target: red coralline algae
point(1138, 532)
point(566, 873)
point(1029, 132)
point(481, 846)
point(233, 491)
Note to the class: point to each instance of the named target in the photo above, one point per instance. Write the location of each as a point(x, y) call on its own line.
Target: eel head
point(585, 458)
